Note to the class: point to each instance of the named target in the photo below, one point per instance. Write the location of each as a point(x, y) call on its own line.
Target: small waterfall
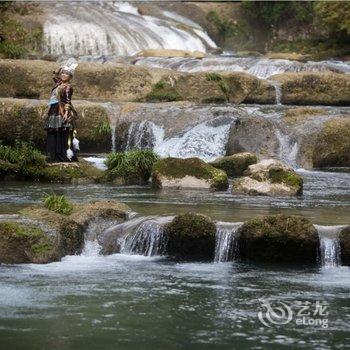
point(147, 238)
point(114, 113)
point(225, 236)
point(288, 149)
point(329, 245)
point(278, 90)
point(144, 135)
point(116, 28)
point(206, 140)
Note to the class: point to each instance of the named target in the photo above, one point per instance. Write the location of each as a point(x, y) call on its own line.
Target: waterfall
point(147, 238)
point(224, 241)
point(114, 28)
point(113, 114)
point(260, 67)
point(206, 140)
point(278, 90)
point(329, 245)
point(288, 149)
point(144, 135)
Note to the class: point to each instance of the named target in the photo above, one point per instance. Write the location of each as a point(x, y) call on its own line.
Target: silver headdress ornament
point(69, 66)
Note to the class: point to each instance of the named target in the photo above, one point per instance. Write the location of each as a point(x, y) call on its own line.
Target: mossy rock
point(302, 114)
point(332, 144)
point(271, 178)
point(162, 91)
point(315, 88)
point(344, 240)
point(188, 173)
point(25, 243)
point(191, 237)
point(236, 164)
point(278, 239)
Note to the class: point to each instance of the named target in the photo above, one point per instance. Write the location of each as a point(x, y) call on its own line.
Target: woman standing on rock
point(59, 122)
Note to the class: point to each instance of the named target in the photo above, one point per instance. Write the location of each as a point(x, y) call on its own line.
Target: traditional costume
point(60, 129)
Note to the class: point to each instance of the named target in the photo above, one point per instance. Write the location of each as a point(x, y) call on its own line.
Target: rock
point(191, 237)
point(292, 56)
point(300, 114)
point(253, 134)
point(25, 243)
point(236, 164)
point(314, 88)
point(70, 228)
point(344, 240)
point(278, 239)
point(170, 53)
point(188, 173)
point(25, 119)
point(331, 147)
point(271, 178)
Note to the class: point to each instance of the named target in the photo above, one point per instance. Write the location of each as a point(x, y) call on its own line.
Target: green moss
point(191, 237)
point(235, 164)
point(213, 76)
point(179, 168)
point(278, 239)
point(58, 204)
point(18, 230)
point(290, 178)
point(162, 92)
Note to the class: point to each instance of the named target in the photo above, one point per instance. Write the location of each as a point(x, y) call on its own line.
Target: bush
point(23, 154)
point(58, 204)
point(163, 92)
point(134, 164)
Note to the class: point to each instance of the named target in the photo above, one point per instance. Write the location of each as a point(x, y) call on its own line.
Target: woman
point(59, 123)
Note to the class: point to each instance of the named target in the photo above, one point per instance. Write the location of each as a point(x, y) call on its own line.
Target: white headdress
point(69, 66)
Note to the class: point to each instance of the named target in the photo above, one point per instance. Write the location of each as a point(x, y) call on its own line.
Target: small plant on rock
point(58, 204)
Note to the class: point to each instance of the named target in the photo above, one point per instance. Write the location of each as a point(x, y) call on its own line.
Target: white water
point(288, 149)
point(206, 140)
point(260, 67)
point(108, 28)
point(225, 236)
point(329, 245)
point(146, 237)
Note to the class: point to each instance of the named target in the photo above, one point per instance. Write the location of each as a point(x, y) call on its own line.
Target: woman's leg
point(51, 145)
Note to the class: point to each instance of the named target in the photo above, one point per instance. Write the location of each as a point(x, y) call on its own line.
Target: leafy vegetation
point(15, 39)
point(58, 204)
point(163, 92)
point(135, 164)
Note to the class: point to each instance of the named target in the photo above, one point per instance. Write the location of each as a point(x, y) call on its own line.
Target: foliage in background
point(132, 164)
point(58, 204)
point(16, 40)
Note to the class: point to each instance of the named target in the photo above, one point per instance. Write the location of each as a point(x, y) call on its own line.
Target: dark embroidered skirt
point(58, 133)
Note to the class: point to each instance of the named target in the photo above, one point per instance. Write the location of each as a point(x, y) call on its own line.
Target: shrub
point(58, 204)
point(133, 164)
point(163, 92)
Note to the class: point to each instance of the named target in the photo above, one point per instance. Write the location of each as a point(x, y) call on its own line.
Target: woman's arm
point(67, 100)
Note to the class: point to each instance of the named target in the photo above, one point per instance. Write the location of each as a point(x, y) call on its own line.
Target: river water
point(128, 301)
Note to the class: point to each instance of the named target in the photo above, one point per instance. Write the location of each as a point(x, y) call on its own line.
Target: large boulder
point(191, 237)
point(278, 239)
point(188, 173)
point(236, 164)
point(314, 88)
point(269, 177)
point(254, 134)
point(23, 242)
point(344, 240)
point(331, 146)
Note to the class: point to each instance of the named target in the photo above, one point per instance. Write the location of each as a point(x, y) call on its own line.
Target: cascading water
point(113, 113)
point(147, 238)
point(114, 28)
point(278, 90)
point(329, 245)
point(225, 236)
point(260, 67)
point(205, 140)
point(288, 149)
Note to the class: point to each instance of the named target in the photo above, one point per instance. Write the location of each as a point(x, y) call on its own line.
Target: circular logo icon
point(277, 314)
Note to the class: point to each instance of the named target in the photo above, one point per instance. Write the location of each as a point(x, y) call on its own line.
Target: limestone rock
point(269, 177)
point(188, 173)
point(278, 239)
point(344, 239)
